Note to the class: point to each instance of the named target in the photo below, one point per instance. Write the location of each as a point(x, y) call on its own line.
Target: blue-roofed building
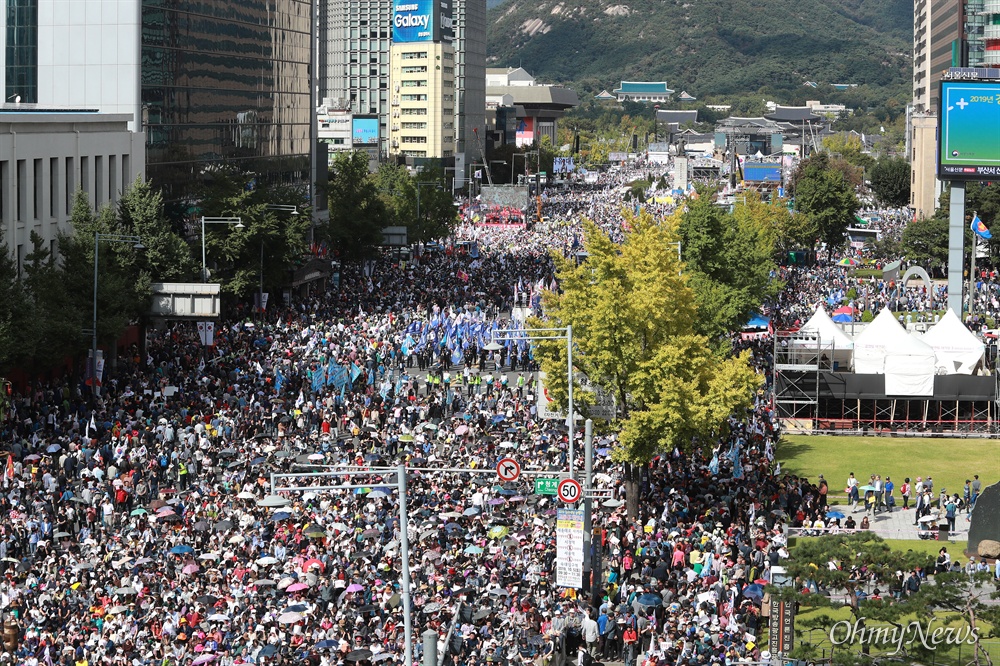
point(643, 91)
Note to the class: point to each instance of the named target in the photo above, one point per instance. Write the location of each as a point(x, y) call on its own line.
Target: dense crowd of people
point(145, 525)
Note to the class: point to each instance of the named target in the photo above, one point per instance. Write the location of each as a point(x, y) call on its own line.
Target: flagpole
point(972, 264)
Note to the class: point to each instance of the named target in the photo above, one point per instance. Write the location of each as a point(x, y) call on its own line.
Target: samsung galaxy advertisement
point(414, 21)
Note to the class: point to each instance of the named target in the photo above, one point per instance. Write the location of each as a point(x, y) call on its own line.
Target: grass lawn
point(929, 548)
point(949, 461)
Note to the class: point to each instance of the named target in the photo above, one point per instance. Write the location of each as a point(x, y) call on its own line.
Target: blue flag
point(318, 379)
point(979, 228)
point(713, 466)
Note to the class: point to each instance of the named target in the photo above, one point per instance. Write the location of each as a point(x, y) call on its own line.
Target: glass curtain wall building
point(226, 82)
point(20, 52)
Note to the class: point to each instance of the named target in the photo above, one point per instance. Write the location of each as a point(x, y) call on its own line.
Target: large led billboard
point(762, 172)
point(969, 137)
point(414, 21)
point(365, 130)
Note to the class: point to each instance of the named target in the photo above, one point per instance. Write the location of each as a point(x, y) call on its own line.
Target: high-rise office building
point(955, 37)
point(946, 33)
point(422, 81)
point(354, 57)
point(227, 81)
point(210, 82)
point(470, 80)
point(354, 63)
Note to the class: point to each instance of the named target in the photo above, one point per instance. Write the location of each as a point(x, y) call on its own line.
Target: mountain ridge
point(706, 48)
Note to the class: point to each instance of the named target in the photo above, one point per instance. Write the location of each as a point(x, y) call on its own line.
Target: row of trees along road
point(46, 311)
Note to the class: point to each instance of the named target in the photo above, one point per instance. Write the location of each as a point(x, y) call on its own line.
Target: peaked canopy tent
point(885, 348)
point(822, 334)
point(957, 350)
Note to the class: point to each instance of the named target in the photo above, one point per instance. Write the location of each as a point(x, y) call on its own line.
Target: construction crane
point(482, 154)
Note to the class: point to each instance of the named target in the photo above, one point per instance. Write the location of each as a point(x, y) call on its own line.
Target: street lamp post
point(513, 167)
point(214, 220)
point(110, 238)
point(400, 471)
point(566, 334)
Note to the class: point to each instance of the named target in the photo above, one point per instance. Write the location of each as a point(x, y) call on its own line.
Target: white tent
point(956, 349)
point(832, 340)
point(885, 348)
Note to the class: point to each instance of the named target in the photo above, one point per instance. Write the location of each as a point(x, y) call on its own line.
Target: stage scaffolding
point(799, 360)
point(813, 393)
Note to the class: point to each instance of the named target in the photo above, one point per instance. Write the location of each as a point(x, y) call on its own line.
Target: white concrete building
point(47, 155)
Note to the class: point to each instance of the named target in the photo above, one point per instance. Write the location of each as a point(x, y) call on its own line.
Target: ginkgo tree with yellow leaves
point(635, 332)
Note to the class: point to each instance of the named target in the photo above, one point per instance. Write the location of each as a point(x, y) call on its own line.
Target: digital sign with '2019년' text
point(969, 139)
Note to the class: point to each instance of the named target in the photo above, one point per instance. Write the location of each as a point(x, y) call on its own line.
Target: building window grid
point(21, 50)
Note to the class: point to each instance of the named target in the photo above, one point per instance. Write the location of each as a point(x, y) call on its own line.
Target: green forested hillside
point(706, 48)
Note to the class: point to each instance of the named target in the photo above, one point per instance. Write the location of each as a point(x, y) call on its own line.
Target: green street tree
point(166, 256)
point(421, 202)
point(15, 311)
point(847, 565)
point(890, 181)
point(960, 597)
point(848, 146)
point(633, 315)
point(123, 285)
point(729, 259)
point(57, 316)
point(825, 195)
point(357, 212)
point(925, 243)
point(436, 217)
point(395, 189)
point(271, 243)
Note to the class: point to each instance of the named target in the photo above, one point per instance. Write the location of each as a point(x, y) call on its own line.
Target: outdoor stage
point(885, 379)
point(848, 402)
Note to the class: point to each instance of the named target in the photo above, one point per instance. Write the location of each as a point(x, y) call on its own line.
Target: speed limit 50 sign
point(569, 491)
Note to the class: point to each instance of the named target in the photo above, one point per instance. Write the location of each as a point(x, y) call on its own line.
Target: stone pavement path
point(898, 524)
